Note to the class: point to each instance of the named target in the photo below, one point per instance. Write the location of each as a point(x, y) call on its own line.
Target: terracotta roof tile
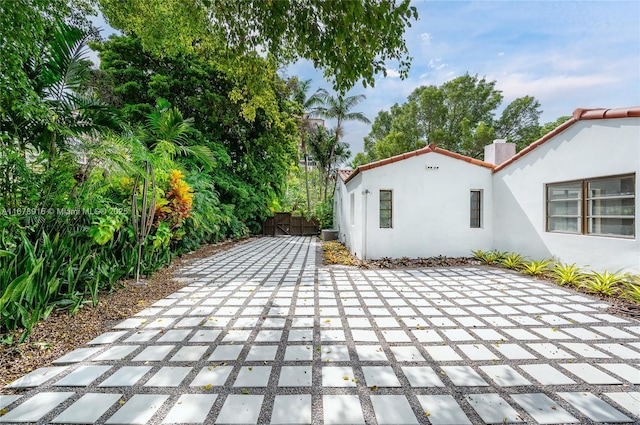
point(427, 149)
point(344, 174)
point(578, 115)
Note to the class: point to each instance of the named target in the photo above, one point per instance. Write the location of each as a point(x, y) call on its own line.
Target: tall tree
point(458, 116)
point(468, 101)
point(519, 121)
point(308, 104)
point(321, 141)
point(350, 40)
point(338, 108)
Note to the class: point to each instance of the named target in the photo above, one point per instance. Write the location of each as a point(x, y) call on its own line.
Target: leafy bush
point(604, 283)
point(567, 274)
point(631, 288)
point(536, 268)
point(489, 257)
point(513, 261)
point(324, 214)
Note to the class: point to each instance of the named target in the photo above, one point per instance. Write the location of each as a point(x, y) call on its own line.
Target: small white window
point(352, 208)
point(476, 209)
point(386, 209)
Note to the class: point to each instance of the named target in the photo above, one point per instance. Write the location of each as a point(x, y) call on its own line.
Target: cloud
point(392, 73)
point(426, 38)
point(437, 64)
point(549, 86)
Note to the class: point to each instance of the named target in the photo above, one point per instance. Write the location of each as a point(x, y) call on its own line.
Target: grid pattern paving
point(261, 335)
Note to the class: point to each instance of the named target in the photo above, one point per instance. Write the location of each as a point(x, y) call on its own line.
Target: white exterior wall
point(587, 149)
point(349, 233)
point(431, 208)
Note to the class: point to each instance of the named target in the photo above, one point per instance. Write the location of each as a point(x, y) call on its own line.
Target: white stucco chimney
point(499, 151)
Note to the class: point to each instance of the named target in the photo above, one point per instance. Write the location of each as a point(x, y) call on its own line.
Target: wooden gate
point(285, 224)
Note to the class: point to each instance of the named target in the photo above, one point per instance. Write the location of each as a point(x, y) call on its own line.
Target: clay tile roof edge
point(578, 115)
point(344, 174)
point(430, 148)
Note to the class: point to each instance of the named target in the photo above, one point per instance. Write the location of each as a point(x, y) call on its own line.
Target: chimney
point(499, 151)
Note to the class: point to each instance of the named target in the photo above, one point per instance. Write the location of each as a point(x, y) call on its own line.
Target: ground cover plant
point(622, 286)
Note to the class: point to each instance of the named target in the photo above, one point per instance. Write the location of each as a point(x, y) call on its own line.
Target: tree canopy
point(24, 27)
point(349, 40)
point(458, 116)
point(253, 153)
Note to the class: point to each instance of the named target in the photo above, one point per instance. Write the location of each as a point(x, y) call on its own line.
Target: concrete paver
point(262, 335)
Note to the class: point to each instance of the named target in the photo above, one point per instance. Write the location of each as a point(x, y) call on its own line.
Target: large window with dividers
point(603, 206)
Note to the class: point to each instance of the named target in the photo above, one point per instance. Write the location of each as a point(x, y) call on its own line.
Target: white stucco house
point(571, 195)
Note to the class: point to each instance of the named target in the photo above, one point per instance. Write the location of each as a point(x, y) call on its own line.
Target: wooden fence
point(285, 224)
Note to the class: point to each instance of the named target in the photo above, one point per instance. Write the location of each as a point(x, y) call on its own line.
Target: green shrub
point(567, 274)
point(631, 288)
point(513, 261)
point(604, 283)
point(536, 268)
point(489, 257)
point(324, 214)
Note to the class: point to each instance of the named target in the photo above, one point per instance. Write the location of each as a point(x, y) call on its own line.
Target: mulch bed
point(409, 263)
point(61, 333)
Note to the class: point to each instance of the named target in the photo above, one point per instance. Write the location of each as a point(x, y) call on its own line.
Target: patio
point(263, 335)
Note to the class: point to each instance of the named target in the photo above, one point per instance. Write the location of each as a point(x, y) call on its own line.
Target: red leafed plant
point(176, 205)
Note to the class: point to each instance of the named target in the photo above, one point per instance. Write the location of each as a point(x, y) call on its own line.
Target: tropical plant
point(72, 116)
point(307, 125)
point(605, 283)
point(489, 257)
point(253, 134)
point(142, 214)
point(512, 261)
point(338, 108)
point(567, 274)
point(167, 135)
point(536, 268)
point(320, 143)
point(631, 288)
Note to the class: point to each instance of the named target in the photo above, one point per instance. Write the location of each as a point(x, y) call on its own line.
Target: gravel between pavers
point(283, 269)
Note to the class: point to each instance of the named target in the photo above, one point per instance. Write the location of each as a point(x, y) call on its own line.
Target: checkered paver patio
point(263, 336)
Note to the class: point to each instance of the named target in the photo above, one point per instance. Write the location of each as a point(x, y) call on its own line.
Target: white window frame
point(390, 209)
point(587, 201)
point(472, 208)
